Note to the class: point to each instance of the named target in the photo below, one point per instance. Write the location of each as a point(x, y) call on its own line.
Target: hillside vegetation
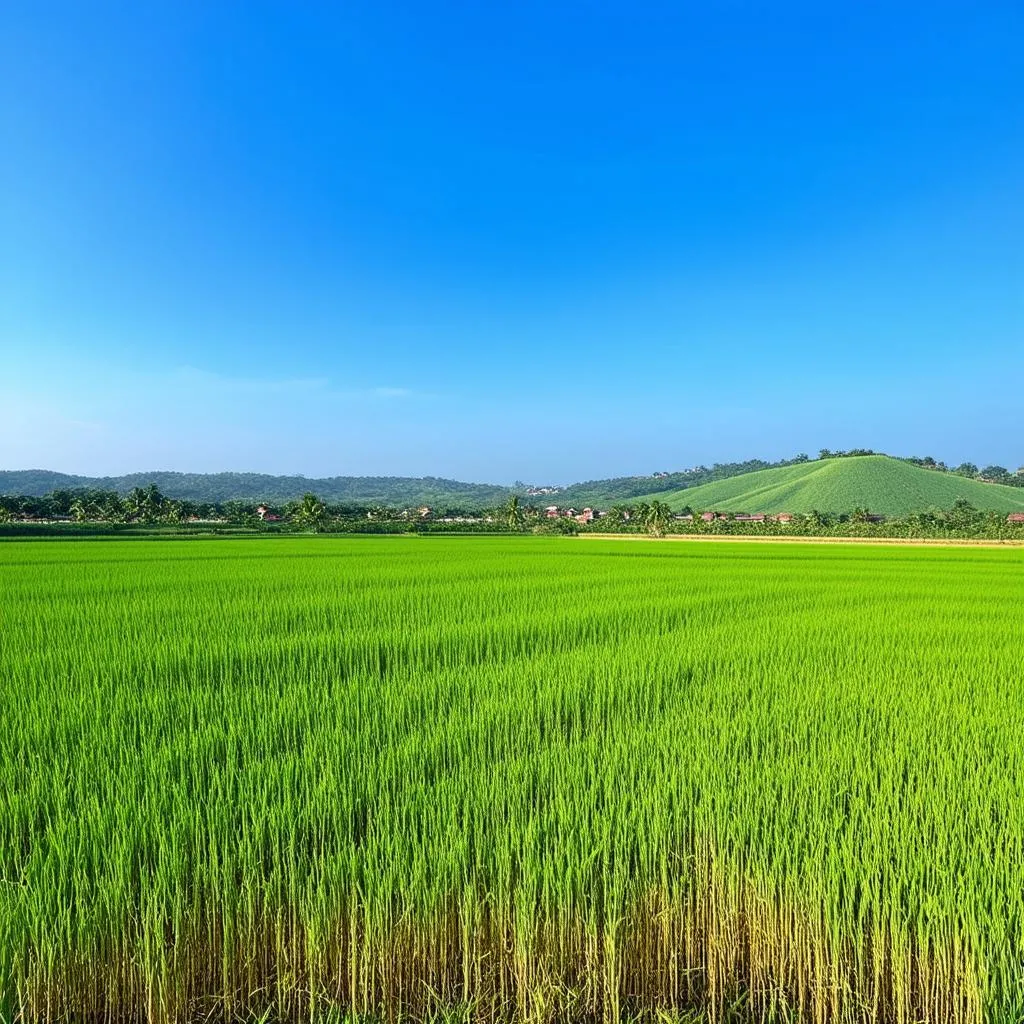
point(882, 484)
point(876, 482)
point(395, 491)
point(215, 487)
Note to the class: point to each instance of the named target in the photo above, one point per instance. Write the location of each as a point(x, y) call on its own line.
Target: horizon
point(535, 244)
point(537, 483)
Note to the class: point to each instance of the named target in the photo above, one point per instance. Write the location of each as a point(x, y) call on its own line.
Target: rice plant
point(516, 779)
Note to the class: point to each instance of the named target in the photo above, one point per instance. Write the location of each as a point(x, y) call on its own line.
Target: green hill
point(369, 490)
point(213, 487)
point(876, 482)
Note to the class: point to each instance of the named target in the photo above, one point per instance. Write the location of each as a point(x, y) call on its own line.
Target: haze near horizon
point(538, 244)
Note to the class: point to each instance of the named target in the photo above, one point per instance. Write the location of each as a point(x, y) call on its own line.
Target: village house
point(782, 517)
point(1015, 517)
point(266, 515)
point(758, 517)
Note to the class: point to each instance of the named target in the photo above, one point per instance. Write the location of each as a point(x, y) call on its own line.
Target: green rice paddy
point(510, 779)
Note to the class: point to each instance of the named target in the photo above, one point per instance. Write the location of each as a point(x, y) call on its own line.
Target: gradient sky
point(538, 241)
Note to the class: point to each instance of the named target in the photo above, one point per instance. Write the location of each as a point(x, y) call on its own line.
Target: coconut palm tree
point(311, 512)
point(514, 514)
point(659, 515)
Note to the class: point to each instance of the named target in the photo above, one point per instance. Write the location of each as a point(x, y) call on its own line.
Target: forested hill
point(217, 487)
point(393, 491)
point(836, 485)
point(623, 489)
point(880, 483)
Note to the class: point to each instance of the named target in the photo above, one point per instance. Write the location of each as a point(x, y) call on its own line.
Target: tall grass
point(510, 779)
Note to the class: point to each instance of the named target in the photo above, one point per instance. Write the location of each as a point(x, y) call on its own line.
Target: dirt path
point(912, 541)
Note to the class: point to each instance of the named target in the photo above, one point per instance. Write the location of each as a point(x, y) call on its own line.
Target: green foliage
point(561, 527)
point(310, 513)
point(620, 490)
point(838, 485)
point(400, 492)
point(395, 492)
point(514, 515)
point(657, 517)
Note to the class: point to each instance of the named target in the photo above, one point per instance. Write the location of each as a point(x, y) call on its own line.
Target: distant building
point(758, 517)
point(782, 517)
point(1015, 517)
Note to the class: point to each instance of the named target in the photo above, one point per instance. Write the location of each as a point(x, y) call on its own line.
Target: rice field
point(510, 779)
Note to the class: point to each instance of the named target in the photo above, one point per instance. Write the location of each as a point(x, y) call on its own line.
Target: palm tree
point(311, 512)
point(514, 514)
point(618, 515)
point(659, 515)
point(135, 504)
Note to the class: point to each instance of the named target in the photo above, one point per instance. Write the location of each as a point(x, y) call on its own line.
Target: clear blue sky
point(544, 241)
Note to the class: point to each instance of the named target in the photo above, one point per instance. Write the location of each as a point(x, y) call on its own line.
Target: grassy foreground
point(510, 779)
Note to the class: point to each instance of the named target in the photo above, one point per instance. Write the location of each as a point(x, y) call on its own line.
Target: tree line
point(991, 474)
point(148, 508)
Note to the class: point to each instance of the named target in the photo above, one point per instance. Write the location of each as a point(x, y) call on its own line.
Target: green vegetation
point(147, 513)
point(628, 488)
point(217, 488)
point(839, 485)
point(249, 489)
point(510, 778)
point(395, 492)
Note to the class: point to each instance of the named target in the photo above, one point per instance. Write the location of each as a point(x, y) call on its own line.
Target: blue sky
point(525, 241)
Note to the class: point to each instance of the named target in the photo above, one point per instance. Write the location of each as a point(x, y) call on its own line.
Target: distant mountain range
point(877, 482)
point(393, 491)
point(874, 482)
point(218, 487)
